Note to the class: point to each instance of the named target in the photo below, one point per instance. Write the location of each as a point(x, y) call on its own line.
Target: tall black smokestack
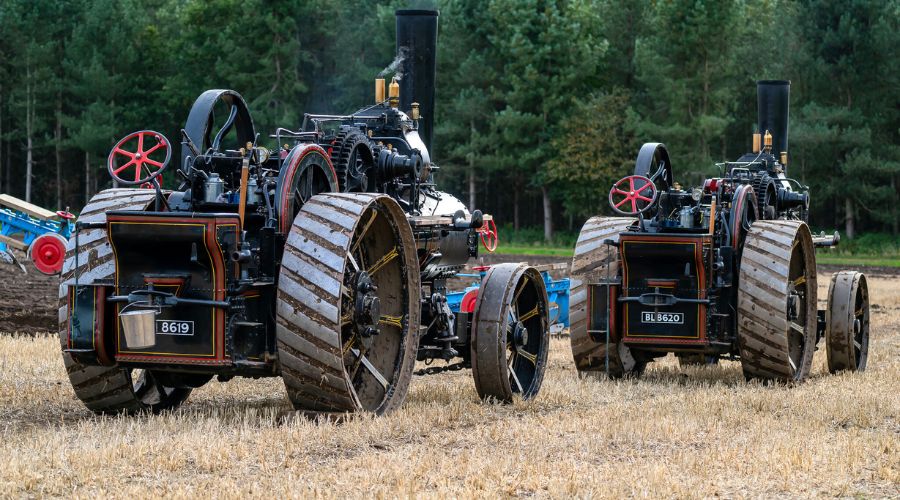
point(417, 40)
point(773, 99)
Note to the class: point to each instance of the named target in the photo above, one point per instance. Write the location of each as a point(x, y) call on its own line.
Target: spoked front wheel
point(511, 331)
point(847, 322)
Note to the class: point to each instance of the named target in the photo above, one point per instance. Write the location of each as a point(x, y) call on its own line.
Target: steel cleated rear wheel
point(594, 260)
point(347, 312)
point(511, 327)
point(108, 389)
point(777, 301)
point(847, 322)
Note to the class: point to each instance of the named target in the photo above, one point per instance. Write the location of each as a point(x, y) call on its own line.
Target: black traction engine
point(722, 270)
point(322, 260)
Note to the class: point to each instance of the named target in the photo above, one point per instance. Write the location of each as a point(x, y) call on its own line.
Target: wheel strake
point(590, 263)
point(107, 389)
point(512, 333)
point(777, 301)
point(347, 312)
point(847, 322)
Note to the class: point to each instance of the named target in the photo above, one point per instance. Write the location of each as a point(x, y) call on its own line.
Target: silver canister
point(686, 217)
point(252, 196)
point(214, 188)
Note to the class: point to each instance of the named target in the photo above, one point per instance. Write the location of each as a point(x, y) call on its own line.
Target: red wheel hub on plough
point(48, 252)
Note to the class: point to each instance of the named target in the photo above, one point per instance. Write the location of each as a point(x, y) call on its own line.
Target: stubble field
point(684, 432)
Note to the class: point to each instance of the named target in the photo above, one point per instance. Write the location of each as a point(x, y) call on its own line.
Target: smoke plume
point(394, 66)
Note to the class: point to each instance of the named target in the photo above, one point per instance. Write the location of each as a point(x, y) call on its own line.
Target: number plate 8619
point(174, 327)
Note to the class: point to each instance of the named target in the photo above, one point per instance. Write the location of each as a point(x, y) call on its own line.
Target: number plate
point(174, 327)
point(662, 317)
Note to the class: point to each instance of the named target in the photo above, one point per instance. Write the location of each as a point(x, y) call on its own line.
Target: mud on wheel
point(777, 301)
point(108, 389)
point(347, 312)
point(511, 332)
point(594, 260)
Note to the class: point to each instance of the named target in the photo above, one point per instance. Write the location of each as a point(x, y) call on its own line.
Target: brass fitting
point(394, 93)
point(757, 139)
point(414, 113)
point(379, 90)
point(767, 141)
point(784, 158)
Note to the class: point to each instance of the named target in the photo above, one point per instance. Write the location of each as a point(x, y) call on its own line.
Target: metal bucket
point(139, 326)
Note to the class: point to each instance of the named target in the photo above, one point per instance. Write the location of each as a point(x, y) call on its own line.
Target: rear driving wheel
point(594, 261)
point(777, 301)
point(512, 333)
point(348, 305)
point(108, 389)
point(847, 322)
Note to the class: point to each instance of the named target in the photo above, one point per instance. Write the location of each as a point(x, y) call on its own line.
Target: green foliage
point(535, 98)
point(594, 149)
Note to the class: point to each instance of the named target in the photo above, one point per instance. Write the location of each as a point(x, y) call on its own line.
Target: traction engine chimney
point(773, 98)
point(417, 38)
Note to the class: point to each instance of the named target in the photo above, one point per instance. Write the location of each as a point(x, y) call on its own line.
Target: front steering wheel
point(131, 153)
point(637, 190)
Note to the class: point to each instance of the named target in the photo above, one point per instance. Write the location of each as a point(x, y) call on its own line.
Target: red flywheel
point(632, 195)
point(139, 157)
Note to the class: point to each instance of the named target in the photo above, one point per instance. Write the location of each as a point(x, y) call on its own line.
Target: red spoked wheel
point(636, 190)
point(147, 164)
point(48, 252)
point(489, 235)
point(65, 215)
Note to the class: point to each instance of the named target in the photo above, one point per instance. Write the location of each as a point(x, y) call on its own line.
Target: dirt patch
point(27, 299)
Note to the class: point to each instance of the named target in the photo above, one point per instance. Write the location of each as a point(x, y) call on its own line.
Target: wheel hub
point(367, 310)
point(519, 335)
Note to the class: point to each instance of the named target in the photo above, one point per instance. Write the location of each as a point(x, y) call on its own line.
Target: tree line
point(541, 104)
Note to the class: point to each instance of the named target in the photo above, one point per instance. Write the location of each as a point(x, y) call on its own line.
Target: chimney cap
point(416, 12)
point(773, 82)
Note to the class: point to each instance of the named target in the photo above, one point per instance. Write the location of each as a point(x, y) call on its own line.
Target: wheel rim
point(861, 325)
point(526, 319)
point(374, 309)
point(798, 308)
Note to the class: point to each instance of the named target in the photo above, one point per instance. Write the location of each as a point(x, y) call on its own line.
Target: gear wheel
point(764, 187)
point(352, 158)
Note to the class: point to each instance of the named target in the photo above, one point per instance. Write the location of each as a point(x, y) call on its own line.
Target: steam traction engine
point(726, 269)
point(323, 261)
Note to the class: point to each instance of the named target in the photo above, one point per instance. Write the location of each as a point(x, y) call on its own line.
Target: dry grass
point(698, 432)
